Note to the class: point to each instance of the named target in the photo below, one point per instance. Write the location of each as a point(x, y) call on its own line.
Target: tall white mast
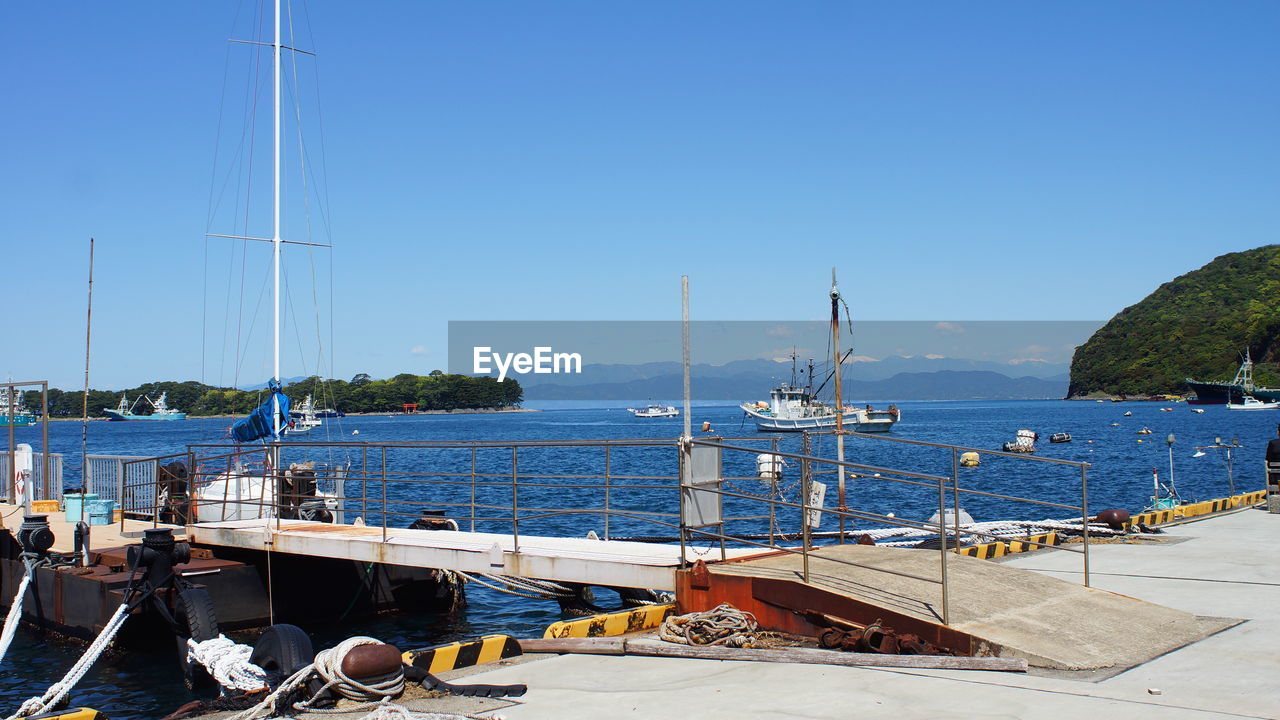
point(275, 235)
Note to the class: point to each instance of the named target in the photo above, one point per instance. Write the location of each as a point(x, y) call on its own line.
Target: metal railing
point(621, 488)
point(45, 488)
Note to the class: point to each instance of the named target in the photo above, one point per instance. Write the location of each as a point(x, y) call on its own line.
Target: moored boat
point(793, 409)
point(1060, 437)
point(21, 416)
point(160, 409)
point(1249, 402)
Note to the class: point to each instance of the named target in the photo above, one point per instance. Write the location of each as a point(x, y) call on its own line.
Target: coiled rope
point(369, 693)
point(722, 625)
point(228, 662)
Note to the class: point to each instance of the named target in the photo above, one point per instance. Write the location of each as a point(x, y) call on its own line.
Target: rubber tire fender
point(282, 650)
point(195, 613)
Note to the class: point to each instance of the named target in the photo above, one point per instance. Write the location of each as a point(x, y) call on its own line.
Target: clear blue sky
point(570, 160)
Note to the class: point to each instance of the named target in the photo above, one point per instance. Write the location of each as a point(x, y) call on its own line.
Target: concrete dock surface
point(1223, 567)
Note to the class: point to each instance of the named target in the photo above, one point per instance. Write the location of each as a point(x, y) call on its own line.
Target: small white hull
point(1255, 405)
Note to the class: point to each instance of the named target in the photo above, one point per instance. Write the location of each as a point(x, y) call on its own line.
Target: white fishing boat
point(655, 411)
point(304, 419)
point(793, 409)
point(1249, 402)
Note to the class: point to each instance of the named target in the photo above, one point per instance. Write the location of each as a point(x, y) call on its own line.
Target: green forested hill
point(1197, 325)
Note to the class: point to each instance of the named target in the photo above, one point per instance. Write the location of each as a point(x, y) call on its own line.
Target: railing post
point(364, 483)
point(515, 502)
point(805, 488)
point(774, 493)
point(607, 448)
point(473, 488)
point(119, 485)
point(942, 535)
point(955, 494)
point(384, 493)
point(682, 465)
point(1084, 507)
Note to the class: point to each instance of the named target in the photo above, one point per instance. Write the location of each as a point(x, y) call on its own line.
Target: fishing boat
point(304, 419)
point(793, 409)
point(654, 411)
point(1060, 437)
point(160, 409)
point(1249, 402)
point(20, 417)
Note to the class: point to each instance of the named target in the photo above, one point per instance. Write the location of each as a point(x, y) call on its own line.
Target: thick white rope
point(14, 618)
point(228, 662)
point(328, 665)
point(58, 690)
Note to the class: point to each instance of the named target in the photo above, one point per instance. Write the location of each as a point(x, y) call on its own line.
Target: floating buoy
point(355, 432)
point(706, 426)
point(970, 459)
point(1139, 441)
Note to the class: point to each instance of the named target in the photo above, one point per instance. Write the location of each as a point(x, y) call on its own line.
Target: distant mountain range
point(886, 380)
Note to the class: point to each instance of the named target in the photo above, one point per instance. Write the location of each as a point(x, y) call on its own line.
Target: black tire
point(195, 614)
point(282, 650)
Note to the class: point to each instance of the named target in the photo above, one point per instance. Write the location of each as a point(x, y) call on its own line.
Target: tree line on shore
point(437, 391)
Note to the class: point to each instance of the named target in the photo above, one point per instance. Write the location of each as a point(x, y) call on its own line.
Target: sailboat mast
point(275, 234)
point(835, 349)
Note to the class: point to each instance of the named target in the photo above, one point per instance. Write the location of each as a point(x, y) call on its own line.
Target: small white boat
point(1198, 411)
point(1128, 413)
point(655, 411)
point(1253, 403)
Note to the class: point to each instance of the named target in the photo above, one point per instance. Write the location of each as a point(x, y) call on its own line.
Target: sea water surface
point(148, 685)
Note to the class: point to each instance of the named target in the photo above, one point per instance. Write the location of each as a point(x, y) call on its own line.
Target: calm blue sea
point(139, 685)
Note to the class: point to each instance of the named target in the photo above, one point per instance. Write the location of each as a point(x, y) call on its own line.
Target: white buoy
point(355, 432)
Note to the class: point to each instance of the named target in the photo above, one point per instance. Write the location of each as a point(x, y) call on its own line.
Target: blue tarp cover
point(258, 424)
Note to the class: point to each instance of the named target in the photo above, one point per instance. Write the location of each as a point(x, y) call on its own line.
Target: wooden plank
point(810, 656)
point(657, 648)
point(580, 646)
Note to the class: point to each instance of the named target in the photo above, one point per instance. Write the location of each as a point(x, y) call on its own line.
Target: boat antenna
point(84, 404)
point(793, 366)
point(808, 385)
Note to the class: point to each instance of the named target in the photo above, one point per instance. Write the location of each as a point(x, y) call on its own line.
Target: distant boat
point(1060, 437)
point(1252, 403)
point(305, 418)
point(1199, 411)
point(1128, 413)
point(21, 416)
point(1145, 431)
point(655, 411)
point(160, 409)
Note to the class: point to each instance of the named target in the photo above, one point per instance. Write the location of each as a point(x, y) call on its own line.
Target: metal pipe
point(473, 489)
point(684, 331)
point(384, 494)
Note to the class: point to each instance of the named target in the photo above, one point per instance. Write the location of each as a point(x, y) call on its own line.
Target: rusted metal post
point(1084, 506)
point(515, 502)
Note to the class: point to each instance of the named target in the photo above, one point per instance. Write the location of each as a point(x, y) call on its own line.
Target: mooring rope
point(722, 625)
point(532, 589)
point(58, 690)
point(14, 618)
point(228, 662)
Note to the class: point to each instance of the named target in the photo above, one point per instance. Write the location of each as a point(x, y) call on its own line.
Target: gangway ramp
point(994, 609)
point(611, 563)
